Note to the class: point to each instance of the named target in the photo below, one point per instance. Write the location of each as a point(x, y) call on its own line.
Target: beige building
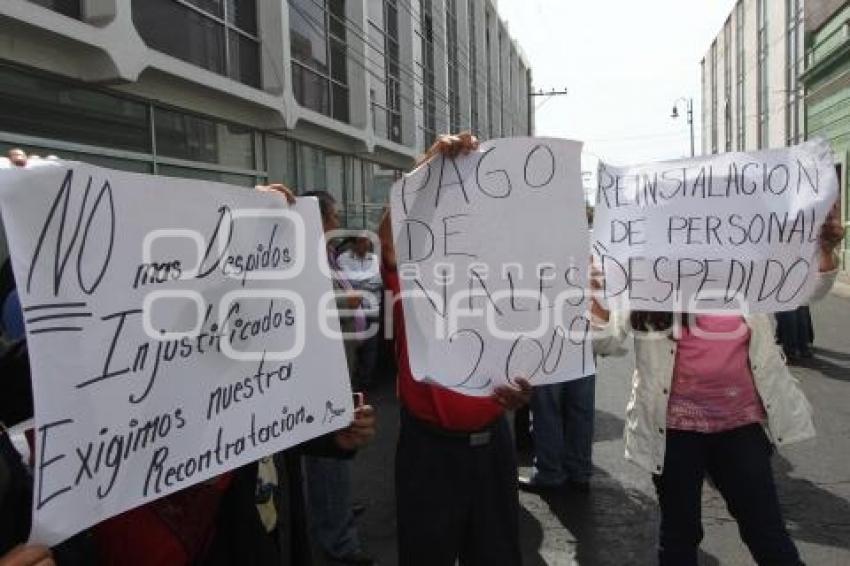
point(752, 97)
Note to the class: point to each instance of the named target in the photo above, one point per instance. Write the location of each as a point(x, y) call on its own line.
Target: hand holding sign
point(28, 556)
point(491, 252)
point(513, 398)
point(165, 349)
point(833, 232)
point(360, 432)
point(737, 231)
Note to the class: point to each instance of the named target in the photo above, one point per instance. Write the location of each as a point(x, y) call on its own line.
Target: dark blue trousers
point(794, 331)
point(738, 463)
point(456, 498)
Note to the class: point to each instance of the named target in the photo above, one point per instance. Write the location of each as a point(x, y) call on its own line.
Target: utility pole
point(690, 107)
point(547, 96)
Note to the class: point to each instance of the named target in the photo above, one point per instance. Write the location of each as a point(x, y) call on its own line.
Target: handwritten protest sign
point(173, 334)
point(736, 231)
point(492, 251)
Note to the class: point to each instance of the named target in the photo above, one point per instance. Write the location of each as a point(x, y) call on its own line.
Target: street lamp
point(690, 107)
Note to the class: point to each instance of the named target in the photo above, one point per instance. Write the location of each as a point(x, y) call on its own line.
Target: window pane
point(339, 59)
point(354, 182)
point(307, 30)
point(70, 8)
point(244, 59)
point(392, 21)
point(355, 217)
point(395, 127)
point(243, 15)
point(336, 9)
point(340, 103)
point(204, 175)
point(374, 214)
point(335, 176)
point(181, 32)
point(38, 106)
point(214, 7)
point(184, 136)
point(379, 181)
point(311, 169)
point(111, 162)
point(281, 161)
point(311, 90)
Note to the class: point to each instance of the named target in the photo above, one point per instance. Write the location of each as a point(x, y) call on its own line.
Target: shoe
point(358, 509)
point(792, 357)
point(356, 558)
point(528, 485)
point(806, 353)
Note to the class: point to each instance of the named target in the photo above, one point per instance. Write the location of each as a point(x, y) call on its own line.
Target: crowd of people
point(699, 409)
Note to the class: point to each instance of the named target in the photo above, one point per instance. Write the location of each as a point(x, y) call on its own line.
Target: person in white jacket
point(711, 396)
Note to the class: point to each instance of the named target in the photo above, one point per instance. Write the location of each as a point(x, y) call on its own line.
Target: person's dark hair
point(658, 321)
point(326, 201)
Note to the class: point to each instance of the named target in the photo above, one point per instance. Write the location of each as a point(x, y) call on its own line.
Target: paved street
point(616, 524)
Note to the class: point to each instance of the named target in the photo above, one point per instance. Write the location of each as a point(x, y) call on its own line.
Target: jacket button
point(665, 391)
point(661, 430)
point(779, 440)
point(658, 468)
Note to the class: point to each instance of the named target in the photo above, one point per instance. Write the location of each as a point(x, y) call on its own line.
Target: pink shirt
point(713, 388)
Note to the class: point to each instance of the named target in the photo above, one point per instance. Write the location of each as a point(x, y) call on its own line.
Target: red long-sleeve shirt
point(430, 403)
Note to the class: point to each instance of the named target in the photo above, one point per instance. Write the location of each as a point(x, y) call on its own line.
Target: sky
point(624, 63)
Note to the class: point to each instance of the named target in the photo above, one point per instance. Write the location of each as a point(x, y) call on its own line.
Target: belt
point(473, 439)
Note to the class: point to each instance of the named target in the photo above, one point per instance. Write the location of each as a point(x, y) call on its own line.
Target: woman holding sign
point(712, 395)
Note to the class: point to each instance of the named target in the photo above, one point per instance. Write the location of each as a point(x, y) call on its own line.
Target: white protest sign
point(173, 330)
point(492, 253)
point(735, 231)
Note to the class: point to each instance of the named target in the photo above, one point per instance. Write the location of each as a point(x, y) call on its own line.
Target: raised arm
point(831, 236)
point(450, 145)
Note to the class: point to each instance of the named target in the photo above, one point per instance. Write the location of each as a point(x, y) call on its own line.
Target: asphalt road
point(616, 524)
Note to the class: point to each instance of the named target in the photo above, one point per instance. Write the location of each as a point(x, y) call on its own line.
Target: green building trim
point(827, 82)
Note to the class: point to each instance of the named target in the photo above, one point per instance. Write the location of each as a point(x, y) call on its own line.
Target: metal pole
point(691, 123)
point(530, 87)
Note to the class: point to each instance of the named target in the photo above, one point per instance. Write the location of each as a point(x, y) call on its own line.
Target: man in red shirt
point(456, 487)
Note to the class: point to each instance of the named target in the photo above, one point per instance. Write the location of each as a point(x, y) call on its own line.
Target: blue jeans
point(328, 488)
point(738, 463)
point(562, 428)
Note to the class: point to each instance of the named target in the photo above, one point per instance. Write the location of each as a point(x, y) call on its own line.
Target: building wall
point(240, 120)
point(779, 130)
point(827, 80)
point(819, 12)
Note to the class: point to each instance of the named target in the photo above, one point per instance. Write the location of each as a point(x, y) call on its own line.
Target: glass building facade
point(319, 56)
point(218, 35)
point(384, 68)
point(319, 94)
point(45, 115)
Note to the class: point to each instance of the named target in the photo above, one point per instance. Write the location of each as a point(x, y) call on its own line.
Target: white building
point(752, 97)
point(320, 94)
